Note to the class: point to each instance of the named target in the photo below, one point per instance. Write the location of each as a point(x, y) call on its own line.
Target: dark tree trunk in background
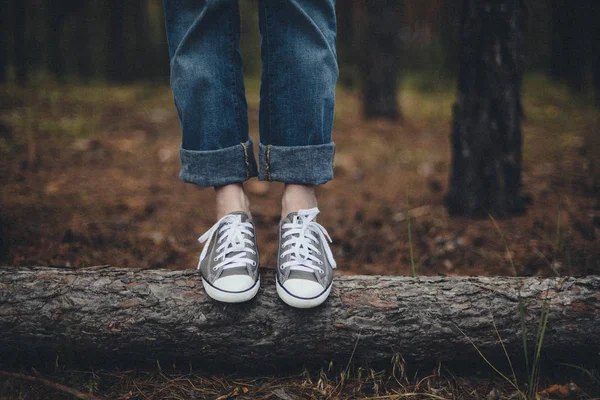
point(160, 55)
point(486, 133)
point(449, 33)
point(117, 61)
point(571, 50)
point(4, 13)
point(20, 54)
point(139, 64)
point(347, 53)
point(577, 43)
point(55, 14)
point(596, 52)
point(381, 62)
point(82, 42)
point(559, 64)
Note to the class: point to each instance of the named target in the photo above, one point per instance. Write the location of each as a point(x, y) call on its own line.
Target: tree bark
point(559, 64)
point(55, 14)
point(486, 133)
point(449, 32)
point(138, 65)
point(572, 51)
point(105, 314)
point(82, 42)
point(345, 45)
point(117, 46)
point(596, 54)
point(381, 62)
point(5, 12)
point(20, 48)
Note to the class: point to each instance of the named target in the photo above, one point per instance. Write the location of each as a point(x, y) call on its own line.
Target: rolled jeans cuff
point(309, 165)
point(205, 168)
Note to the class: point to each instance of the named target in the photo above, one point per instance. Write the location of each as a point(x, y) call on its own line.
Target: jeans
point(297, 93)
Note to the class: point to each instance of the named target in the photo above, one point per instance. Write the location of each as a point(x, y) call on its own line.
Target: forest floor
point(89, 176)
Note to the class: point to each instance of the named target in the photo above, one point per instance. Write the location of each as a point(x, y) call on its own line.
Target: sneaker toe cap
point(303, 288)
point(234, 283)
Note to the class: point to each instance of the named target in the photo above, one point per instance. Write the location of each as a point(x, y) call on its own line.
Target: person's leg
point(297, 97)
point(296, 117)
point(208, 88)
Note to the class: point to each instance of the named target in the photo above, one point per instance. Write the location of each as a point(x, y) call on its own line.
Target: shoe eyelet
point(320, 262)
point(254, 263)
point(281, 256)
point(322, 272)
point(214, 269)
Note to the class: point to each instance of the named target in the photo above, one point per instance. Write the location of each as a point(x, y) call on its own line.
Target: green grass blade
point(522, 313)
point(535, 369)
point(487, 361)
point(505, 244)
point(512, 370)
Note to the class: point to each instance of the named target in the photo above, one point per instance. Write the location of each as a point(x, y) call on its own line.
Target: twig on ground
point(54, 385)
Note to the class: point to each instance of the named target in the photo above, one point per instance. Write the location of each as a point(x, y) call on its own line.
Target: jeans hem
point(309, 165)
point(234, 164)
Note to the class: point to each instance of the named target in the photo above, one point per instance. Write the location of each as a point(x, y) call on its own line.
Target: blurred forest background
point(89, 141)
point(117, 41)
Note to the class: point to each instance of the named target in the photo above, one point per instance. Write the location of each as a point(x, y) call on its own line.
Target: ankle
point(297, 197)
point(231, 198)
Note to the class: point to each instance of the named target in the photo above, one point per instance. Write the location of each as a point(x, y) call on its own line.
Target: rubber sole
point(231, 297)
point(299, 302)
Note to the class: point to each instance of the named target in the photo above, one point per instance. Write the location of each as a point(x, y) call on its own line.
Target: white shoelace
point(303, 234)
point(232, 240)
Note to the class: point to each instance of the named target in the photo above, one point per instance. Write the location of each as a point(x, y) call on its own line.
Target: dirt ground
point(89, 176)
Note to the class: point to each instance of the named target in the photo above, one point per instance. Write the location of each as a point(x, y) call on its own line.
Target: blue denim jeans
point(297, 93)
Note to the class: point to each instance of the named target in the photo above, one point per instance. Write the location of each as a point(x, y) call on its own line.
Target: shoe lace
point(302, 234)
point(232, 239)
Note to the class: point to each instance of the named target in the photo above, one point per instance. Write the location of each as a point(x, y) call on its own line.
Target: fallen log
point(104, 314)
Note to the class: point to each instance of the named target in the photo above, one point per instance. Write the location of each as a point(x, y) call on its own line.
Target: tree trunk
point(117, 54)
point(571, 41)
point(449, 32)
point(577, 51)
point(103, 314)
point(4, 13)
point(559, 64)
point(381, 62)
point(596, 54)
point(82, 42)
point(346, 51)
point(55, 14)
point(139, 64)
point(19, 43)
point(486, 133)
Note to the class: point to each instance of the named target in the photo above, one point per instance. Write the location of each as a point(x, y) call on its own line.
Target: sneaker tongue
point(243, 214)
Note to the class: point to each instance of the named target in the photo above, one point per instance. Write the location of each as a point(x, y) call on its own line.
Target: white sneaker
point(229, 265)
point(305, 262)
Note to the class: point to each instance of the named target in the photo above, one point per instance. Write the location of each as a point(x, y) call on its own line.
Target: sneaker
point(305, 263)
point(229, 265)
